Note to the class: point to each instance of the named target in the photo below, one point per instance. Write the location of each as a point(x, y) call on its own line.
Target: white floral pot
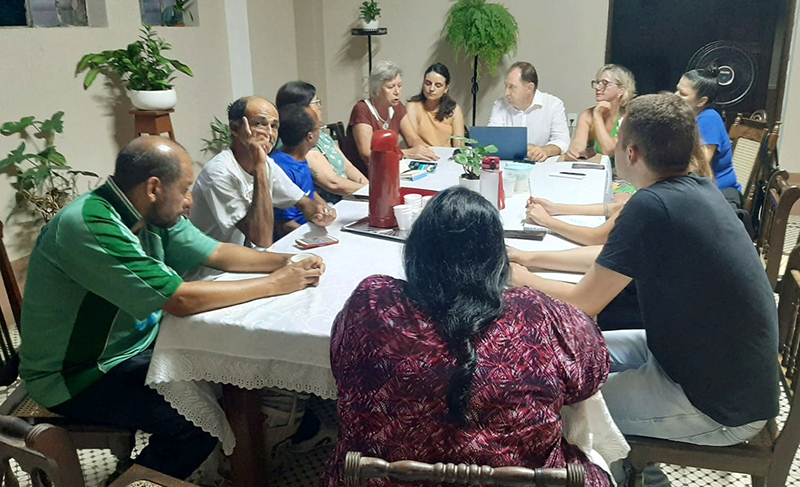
point(370, 25)
point(153, 100)
point(473, 184)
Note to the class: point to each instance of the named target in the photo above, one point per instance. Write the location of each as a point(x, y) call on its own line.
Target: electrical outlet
point(572, 119)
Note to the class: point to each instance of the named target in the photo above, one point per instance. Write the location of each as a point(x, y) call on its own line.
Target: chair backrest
point(747, 136)
point(337, 132)
point(788, 439)
point(779, 199)
point(357, 469)
point(765, 166)
point(9, 359)
point(759, 116)
point(43, 451)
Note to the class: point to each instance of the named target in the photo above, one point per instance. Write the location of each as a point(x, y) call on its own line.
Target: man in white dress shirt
point(525, 106)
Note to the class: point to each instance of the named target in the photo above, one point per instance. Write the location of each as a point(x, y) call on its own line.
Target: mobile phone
point(584, 165)
point(568, 175)
point(314, 242)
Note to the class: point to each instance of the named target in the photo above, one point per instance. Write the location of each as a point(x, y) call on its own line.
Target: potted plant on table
point(44, 182)
point(174, 14)
point(471, 157)
point(147, 73)
point(369, 12)
point(483, 31)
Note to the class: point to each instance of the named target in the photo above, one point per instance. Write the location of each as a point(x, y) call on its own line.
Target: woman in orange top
point(434, 114)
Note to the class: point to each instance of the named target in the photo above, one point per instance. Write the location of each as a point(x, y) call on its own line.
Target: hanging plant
point(485, 30)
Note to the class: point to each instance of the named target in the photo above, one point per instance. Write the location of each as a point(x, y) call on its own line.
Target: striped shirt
point(97, 280)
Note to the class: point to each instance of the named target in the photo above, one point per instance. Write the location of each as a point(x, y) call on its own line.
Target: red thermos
point(384, 179)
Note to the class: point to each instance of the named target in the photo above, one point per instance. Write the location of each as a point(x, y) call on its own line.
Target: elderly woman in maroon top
point(450, 367)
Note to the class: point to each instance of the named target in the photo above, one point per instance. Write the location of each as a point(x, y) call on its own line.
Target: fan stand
point(475, 88)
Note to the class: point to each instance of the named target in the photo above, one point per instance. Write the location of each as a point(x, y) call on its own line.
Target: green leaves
point(9, 128)
point(369, 11)
point(471, 157)
point(44, 181)
point(478, 28)
point(140, 65)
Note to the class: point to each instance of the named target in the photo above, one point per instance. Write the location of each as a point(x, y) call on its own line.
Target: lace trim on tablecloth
point(185, 378)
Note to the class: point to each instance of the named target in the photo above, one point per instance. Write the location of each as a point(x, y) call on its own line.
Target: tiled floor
point(304, 470)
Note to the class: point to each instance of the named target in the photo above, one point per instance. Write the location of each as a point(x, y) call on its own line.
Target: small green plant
point(174, 15)
point(142, 66)
point(482, 30)
point(220, 137)
point(369, 11)
point(471, 156)
point(43, 178)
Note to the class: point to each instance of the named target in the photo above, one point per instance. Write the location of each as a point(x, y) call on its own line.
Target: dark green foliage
point(478, 28)
point(141, 65)
point(43, 177)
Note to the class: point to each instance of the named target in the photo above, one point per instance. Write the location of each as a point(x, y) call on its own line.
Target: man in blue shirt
point(299, 132)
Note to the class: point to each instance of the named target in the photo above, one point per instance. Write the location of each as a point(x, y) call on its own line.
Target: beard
point(162, 218)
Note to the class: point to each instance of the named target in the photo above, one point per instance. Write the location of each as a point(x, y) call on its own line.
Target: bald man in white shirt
point(525, 106)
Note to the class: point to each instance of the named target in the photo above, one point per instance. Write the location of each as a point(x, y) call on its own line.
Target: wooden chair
point(20, 405)
point(337, 132)
point(764, 166)
point(47, 454)
point(767, 457)
point(778, 202)
point(357, 469)
point(747, 136)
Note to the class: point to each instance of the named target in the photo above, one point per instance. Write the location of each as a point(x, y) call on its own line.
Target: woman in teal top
point(334, 175)
point(596, 133)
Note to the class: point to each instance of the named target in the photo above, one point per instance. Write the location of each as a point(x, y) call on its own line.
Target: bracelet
point(605, 210)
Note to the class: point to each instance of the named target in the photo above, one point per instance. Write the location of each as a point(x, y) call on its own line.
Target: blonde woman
point(614, 86)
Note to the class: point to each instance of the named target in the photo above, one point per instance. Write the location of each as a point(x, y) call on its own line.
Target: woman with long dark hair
point(451, 366)
point(699, 89)
point(435, 114)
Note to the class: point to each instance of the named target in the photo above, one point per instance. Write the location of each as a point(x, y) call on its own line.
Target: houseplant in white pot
point(471, 156)
point(369, 12)
point(147, 73)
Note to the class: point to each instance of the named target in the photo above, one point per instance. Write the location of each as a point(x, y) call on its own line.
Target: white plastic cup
point(413, 200)
point(301, 257)
point(425, 200)
point(509, 180)
point(404, 216)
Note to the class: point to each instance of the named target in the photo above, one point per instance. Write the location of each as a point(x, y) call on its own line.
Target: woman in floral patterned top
point(334, 175)
point(449, 366)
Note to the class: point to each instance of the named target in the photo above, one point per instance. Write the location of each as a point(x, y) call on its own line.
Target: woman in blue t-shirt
point(699, 88)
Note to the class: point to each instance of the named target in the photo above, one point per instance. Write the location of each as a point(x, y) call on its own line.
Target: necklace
point(378, 116)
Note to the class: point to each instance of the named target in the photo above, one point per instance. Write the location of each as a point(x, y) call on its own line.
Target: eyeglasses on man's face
point(602, 84)
point(316, 102)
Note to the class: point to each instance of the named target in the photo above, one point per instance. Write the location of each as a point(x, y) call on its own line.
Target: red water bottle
point(384, 179)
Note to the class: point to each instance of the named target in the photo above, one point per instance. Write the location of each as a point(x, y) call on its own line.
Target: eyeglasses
point(316, 102)
point(602, 84)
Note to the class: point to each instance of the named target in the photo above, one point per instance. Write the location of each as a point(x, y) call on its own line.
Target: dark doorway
point(657, 39)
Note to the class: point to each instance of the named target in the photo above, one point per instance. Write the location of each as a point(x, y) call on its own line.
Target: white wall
point(789, 143)
point(37, 73)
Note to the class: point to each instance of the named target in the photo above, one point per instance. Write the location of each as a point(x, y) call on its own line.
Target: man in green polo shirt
point(100, 275)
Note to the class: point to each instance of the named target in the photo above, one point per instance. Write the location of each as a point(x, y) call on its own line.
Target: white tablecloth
point(285, 341)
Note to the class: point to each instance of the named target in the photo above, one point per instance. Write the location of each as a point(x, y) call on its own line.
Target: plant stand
point(475, 88)
point(369, 33)
point(153, 122)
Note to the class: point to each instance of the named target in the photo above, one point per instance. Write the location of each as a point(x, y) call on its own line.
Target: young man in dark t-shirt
point(705, 369)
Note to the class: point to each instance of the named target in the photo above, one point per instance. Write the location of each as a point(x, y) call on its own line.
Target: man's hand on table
point(537, 214)
point(324, 215)
point(298, 276)
point(551, 208)
point(536, 153)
